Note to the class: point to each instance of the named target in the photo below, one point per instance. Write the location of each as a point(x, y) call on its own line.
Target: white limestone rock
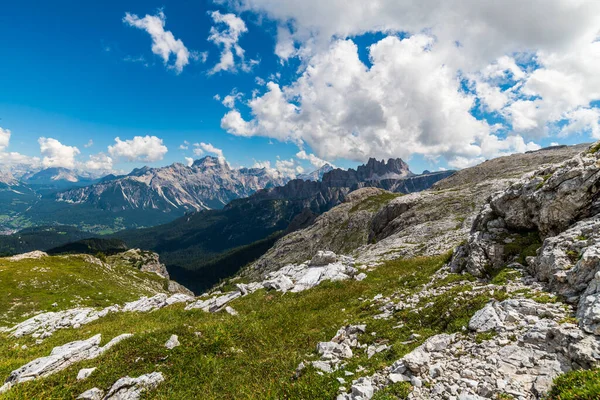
point(172, 342)
point(85, 373)
point(61, 358)
point(92, 394)
point(132, 388)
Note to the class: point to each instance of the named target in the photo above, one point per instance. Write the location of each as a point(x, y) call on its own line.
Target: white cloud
point(164, 43)
point(189, 161)
point(288, 168)
point(283, 168)
point(99, 162)
point(202, 147)
point(185, 145)
point(314, 160)
point(229, 100)
point(57, 154)
point(140, 148)
point(583, 120)
point(13, 161)
point(4, 138)
point(407, 102)
point(226, 35)
point(533, 64)
point(89, 144)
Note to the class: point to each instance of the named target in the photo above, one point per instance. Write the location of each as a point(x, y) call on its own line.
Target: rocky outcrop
point(325, 266)
point(59, 359)
point(31, 255)
point(562, 204)
point(146, 261)
point(44, 325)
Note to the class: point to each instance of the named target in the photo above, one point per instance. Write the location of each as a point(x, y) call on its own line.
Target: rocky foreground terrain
point(485, 287)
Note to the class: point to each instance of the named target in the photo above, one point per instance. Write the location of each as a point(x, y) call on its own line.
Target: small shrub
point(399, 390)
point(576, 385)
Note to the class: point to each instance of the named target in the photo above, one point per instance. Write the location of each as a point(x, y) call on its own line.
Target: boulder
point(323, 258)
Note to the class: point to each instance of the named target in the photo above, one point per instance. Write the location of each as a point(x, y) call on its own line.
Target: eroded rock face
point(562, 203)
point(60, 358)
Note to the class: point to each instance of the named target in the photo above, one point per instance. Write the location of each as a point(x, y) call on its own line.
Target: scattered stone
point(92, 394)
point(231, 311)
point(172, 342)
point(85, 373)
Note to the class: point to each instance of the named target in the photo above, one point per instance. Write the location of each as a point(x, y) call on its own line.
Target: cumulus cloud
point(407, 102)
point(140, 148)
point(314, 160)
point(99, 162)
point(13, 161)
point(164, 43)
point(226, 34)
point(200, 148)
point(4, 138)
point(229, 100)
point(57, 154)
point(89, 144)
point(532, 65)
point(185, 145)
point(282, 169)
point(189, 161)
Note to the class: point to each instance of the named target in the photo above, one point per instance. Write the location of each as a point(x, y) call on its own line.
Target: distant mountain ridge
point(57, 178)
point(316, 175)
point(209, 183)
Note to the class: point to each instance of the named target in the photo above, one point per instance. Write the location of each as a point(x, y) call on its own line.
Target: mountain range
point(209, 183)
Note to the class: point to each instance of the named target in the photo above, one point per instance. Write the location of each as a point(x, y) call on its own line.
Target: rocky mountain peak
point(377, 170)
point(210, 162)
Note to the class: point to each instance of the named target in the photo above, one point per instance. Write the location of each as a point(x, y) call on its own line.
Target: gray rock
point(172, 342)
point(85, 373)
point(92, 394)
point(61, 358)
point(323, 258)
point(132, 388)
point(485, 320)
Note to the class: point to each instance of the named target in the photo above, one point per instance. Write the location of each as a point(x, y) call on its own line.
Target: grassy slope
point(32, 285)
point(252, 355)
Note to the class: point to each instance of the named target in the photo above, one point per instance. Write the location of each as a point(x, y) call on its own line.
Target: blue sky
point(75, 71)
point(67, 78)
